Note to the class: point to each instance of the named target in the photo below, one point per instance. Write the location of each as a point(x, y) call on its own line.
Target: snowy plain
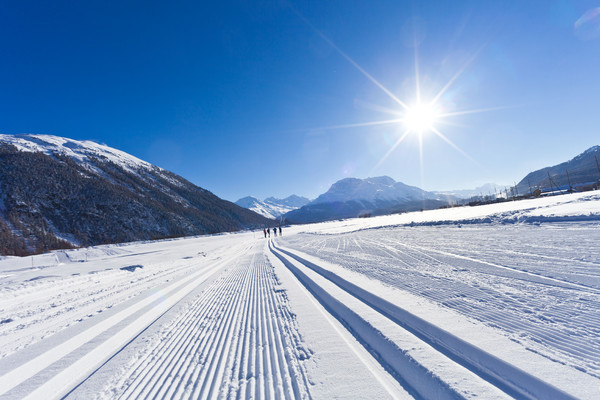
point(494, 301)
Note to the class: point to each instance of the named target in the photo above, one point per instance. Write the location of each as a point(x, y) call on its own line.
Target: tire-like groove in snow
point(501, 374)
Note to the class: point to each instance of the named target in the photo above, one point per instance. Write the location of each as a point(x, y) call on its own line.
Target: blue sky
point(240, 97)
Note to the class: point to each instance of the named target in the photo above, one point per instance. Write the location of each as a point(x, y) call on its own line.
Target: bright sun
point(420, 118)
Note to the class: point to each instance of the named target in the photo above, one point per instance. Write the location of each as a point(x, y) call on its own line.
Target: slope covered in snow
point(272, 207)
point(583, 169)
point(83, 151)
point(488, 189)
point(494, 302)
point(59, 193)
point(353, 197)
point(372, 190)
point(292, 201)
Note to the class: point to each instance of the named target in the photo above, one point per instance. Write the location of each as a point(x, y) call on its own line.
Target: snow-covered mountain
point(84, 152)
point(290, 201)
point(351, 197)
point(483, 190)
point(272, 207)
point(382, 189)
point(581, 170)
point(57, 192)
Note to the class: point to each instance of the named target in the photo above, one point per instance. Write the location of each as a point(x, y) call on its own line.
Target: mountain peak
point(272, 207)
point(381, 188)
point(381, 180)
point(290, 201)
point(589, 152)
point(352, 197)
point(81, 151)
point(247, 202)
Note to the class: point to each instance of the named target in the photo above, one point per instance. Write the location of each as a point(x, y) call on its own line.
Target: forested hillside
point(53, 201)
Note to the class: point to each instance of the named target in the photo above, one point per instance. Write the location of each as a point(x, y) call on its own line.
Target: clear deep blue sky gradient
point(237, 96)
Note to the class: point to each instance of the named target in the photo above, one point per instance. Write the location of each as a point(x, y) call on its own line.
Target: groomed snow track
point(241, 317)
point(233, 337)
point(237, 340)
point(417, 379)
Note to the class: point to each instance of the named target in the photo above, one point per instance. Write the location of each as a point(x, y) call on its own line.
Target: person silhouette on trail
point(275, 231)
point(279, 230)
point(269, 232)
point(265, 232)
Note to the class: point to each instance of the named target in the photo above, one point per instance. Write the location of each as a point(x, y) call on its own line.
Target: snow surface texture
point(489, 302)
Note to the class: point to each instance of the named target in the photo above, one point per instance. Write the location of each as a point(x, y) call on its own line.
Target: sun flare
point(420, 118)
point(416, 119)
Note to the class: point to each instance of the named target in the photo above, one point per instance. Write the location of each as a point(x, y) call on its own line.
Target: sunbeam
point(378, 108)
point(417, 77)
point(454, 146)
point(420, 116)
point(361, 124)
point(390, 151)
point(421, 163)
point(349, 59)
point(456, 75)
point(475, 111)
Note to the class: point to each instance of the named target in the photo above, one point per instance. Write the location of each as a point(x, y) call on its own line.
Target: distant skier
point(265, 232)
point(280, 230)
point(275, 231)
point(269, 232)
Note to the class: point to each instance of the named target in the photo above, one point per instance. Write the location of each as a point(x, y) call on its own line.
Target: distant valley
point(60, 193)
point(354, 197)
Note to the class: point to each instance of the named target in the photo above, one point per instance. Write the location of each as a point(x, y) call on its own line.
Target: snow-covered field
point(494, 301)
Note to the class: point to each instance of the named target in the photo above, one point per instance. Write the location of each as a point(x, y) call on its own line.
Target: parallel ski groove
point(484, 364)
point(173, 347)
point(536, 299)
point(236, 340)
point(71, 304)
